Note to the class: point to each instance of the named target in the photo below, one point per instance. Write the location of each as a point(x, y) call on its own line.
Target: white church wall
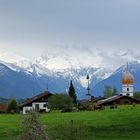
point(127, 89)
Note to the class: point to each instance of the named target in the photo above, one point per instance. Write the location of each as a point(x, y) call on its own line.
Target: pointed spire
point(127, 67)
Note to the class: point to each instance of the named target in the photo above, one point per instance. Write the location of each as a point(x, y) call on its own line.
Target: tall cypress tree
point(72, 93)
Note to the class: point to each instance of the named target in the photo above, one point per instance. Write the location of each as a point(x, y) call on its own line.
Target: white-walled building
point(38, 103)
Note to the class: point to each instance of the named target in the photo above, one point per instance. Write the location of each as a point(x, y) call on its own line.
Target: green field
point(122, 123)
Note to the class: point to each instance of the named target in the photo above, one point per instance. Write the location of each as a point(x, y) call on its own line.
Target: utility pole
point(88, 88)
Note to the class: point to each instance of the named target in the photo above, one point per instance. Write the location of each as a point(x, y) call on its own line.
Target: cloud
point(92, 32)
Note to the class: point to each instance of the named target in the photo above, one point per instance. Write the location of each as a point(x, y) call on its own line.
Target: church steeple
point(127, 82)
point(127, 66)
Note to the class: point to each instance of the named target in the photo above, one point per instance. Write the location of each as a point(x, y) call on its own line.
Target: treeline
point(110, 91)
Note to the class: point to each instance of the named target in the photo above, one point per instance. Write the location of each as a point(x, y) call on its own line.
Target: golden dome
point(127, 78)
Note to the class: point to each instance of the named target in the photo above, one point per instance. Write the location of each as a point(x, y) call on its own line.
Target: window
point(44, 105)
point(127, 89)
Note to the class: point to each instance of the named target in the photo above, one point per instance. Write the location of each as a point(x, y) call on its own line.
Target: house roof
point(93, 99)
point(3, 107)
point(35, 98)
point(114, 98)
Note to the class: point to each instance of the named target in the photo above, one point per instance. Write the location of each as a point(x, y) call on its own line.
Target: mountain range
point(22, 78)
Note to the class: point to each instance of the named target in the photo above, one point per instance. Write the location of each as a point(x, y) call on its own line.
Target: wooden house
point(118, 100)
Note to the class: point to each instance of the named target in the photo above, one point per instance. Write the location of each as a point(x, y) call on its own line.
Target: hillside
point(118, 124)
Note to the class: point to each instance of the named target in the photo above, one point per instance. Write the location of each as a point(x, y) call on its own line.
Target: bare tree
point(32, 128)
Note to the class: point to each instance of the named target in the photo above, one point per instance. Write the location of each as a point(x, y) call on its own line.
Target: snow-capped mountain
point(18, 74)
point(20, 77)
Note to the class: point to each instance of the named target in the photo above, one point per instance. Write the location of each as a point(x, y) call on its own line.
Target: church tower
point(127, 83)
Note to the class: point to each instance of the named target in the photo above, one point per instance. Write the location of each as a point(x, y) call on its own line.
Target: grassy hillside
point(118, 124)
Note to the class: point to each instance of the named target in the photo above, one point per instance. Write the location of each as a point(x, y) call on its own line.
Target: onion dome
point(127, 78)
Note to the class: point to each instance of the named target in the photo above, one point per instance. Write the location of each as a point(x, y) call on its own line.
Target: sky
point(102, 29)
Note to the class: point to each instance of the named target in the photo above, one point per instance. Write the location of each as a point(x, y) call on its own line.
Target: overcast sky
point(31, 27)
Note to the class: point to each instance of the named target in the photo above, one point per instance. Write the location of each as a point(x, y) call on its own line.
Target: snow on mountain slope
point(68, 67)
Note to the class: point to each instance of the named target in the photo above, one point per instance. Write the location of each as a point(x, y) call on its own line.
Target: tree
point(137, 95)
point(32, 129)
point(13, 107)
point(60, 101)
point(72, 93)
point(108, 91)
point(115, 91)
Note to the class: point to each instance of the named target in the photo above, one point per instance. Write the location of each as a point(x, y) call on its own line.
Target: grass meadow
point(122, 123)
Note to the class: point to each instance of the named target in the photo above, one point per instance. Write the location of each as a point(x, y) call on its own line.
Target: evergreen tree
point(13, 107)
point(72, 93)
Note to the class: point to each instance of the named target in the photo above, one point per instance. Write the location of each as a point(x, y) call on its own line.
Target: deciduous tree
point(114, 92)
point(137, 95)
point(13, 107)
point(60, 101)
point(32, 129)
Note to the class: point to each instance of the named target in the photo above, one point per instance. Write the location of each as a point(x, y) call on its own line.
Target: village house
point(38, 103)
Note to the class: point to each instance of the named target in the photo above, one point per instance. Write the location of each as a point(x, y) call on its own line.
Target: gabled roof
point(114, 98)
point(35, 98)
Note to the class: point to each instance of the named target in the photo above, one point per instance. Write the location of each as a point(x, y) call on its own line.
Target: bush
point(60, 101)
